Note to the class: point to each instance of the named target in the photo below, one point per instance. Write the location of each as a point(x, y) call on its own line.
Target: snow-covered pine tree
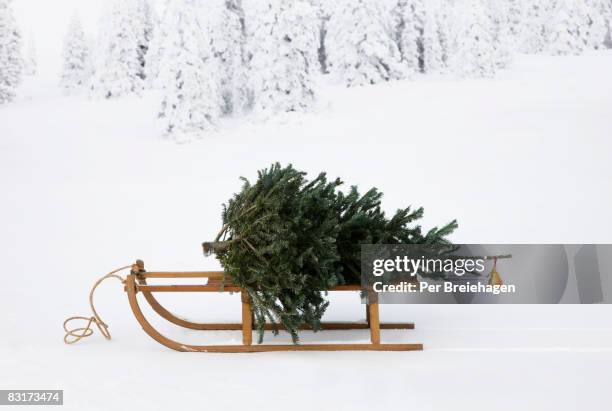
point(284, 56)
point(595, 29)
point(565, 37)
point(229, 45)
point(433, 54)
point(323, 11)
point(606, 13)
point(361, 47)
point(190, 103)
point(118, 68)
point(445, 31)
point(409, 16)
point(76, 68)
point(31, 58)
point(144, 16)
point(475, 55)
point(608, 17)
point(154, 53)
point(535, 24)
point(515, 9)
point(500, 24)
point(11, 62)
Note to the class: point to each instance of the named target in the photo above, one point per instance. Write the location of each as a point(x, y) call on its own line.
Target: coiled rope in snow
point(74, 335)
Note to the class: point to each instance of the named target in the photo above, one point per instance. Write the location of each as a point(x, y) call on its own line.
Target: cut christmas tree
point(286, 241)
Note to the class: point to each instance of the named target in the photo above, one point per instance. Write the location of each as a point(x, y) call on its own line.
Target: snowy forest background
point(477, 115)
point(215, 60)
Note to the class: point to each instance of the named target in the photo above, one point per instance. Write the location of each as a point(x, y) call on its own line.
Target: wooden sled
point(137, 282)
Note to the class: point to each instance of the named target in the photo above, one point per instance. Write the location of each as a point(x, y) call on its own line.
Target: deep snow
point(91, 185)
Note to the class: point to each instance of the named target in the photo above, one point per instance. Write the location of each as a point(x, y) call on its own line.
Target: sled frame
point(136, 282)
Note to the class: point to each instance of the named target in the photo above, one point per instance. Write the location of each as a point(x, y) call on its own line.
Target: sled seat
point(136, 282)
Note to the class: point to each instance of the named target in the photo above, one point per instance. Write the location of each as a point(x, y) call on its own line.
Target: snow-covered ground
point(90, 185)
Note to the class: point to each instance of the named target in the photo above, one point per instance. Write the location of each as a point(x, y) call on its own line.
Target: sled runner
point(136, 282)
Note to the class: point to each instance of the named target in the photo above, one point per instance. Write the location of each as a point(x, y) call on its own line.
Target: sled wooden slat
point(374, 323)
point(247, 320)
point(215, 288)
point(136, 283)
point(187, 288)
point(300, 347)
point(183, 274)
point(325, 326)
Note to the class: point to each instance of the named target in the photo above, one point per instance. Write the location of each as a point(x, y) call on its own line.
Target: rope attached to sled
point(74, 335)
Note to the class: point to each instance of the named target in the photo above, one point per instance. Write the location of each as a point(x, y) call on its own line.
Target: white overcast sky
point(47, 20)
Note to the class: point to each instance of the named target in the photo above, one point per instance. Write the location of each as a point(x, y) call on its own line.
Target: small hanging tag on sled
point(494, 277)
